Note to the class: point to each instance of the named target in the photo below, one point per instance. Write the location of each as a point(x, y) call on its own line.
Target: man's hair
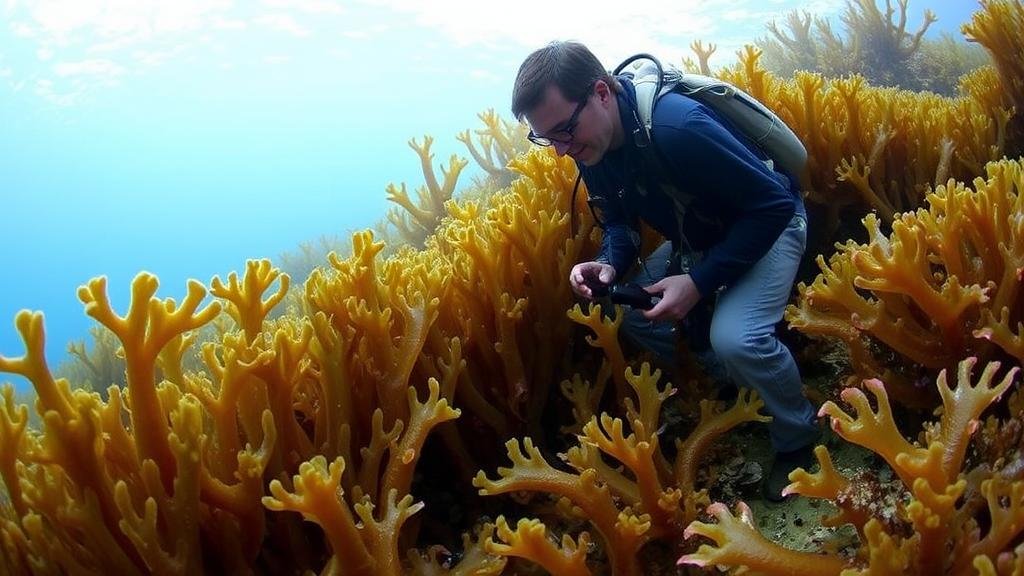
point(570, 66)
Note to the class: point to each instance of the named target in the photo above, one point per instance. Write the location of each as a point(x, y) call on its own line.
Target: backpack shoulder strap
point(650, 82)
point(646, 73)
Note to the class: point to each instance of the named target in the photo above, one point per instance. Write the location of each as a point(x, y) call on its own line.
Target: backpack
point(754, 120)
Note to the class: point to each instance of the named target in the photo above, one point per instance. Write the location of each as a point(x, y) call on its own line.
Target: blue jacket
point(739, 206)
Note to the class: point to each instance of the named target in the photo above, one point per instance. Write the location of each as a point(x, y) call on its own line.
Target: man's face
point(579, 129)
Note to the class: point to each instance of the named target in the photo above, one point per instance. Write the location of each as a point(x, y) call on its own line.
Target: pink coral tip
point(789, 489)
point(689, 559)
point(717, 508)
point(874, 384)
point(856, 322)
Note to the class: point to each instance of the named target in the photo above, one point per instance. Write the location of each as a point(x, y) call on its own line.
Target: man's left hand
point(678, 296)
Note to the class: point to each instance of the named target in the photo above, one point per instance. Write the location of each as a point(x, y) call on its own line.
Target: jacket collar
point(628, 114)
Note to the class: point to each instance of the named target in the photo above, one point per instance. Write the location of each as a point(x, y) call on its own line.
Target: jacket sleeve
point(723, 172)
point(619, 243)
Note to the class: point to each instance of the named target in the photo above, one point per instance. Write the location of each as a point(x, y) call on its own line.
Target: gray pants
point(744, 346)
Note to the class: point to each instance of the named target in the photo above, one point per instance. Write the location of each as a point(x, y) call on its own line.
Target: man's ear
point(603, 91)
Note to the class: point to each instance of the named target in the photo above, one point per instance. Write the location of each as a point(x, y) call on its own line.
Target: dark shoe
point(786, 462)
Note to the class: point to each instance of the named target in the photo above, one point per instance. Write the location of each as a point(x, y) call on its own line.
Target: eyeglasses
point(557, 135)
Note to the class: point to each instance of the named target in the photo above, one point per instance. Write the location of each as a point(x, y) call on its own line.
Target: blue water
point(188, 151)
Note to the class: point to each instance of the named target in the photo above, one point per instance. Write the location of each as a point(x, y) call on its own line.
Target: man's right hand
point(590, 274)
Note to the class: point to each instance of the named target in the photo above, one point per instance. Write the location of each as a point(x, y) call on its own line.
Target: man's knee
point(731, 345)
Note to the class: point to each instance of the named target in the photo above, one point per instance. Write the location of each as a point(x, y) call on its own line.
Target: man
point(743, 225)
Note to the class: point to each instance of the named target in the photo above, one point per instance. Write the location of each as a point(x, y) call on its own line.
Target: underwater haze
point(183, 138)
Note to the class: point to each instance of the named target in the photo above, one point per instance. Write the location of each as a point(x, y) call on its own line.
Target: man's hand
point(587, 274)
point(678, 296)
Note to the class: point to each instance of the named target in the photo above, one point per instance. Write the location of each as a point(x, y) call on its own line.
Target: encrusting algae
point(313, 441)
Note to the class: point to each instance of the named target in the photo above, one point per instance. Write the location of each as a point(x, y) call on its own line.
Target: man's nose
point(561, 147)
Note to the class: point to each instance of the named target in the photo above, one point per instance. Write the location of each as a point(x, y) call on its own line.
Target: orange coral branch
point(149, 325)
point(962, 408)
point(424, 417)
point(931, 514)
point(606, 337)
point(1000, 332)
point(234, 372)
point(710, 427)
point(902, 266)
point(382, 534)
point(622, 532)
point(245, 299)
point(13, 421)
point(373, 453)
point(33, 364)
point(738, 543)
point(826, 483)
point(637, 452)
point(649, 398)
point(476, 561)
point(529, 540)
point(886, 555)
point(876, 430)
point(317, 496)
point(586, 456)
point(1006, 509)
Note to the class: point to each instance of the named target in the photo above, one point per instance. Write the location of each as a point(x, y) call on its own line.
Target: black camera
point(627, 294)
point(632, 295)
